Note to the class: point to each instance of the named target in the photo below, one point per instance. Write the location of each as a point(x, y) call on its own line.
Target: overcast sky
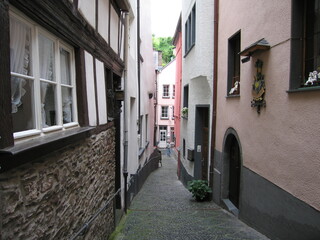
point(164, 17)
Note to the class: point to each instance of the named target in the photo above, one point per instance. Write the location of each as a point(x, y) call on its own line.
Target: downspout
point(215, 83)
point(125, 127)
point(139, 74)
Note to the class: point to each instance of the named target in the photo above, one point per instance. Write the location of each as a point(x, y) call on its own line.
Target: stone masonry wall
point(53, 197)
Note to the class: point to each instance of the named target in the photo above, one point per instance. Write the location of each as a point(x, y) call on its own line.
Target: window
point(146, 128)
point(234, 65)
point(184, 148)
point(164, 112)
point(305, 47)
point(140, 131)
point(186, 96)
point(165, 93)
point(172, 112)
point(190, 30)
point(43, 88)
point(173, 91)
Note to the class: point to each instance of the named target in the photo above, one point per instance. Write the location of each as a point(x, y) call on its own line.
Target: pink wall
point(177, 103)
point(282, 143)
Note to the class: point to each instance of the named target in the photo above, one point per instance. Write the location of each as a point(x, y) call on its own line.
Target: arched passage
point(232, 163)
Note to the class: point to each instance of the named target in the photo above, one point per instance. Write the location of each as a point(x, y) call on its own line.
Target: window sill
point(304, 89)
point(189, 50)
point(164, 118)
point(167, 97)
point(233, 96)
point(29, 150)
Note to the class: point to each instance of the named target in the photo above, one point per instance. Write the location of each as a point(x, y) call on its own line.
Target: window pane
point(65, 67)
point(67, 104)
point(22, 106)
point(48, 104)
point(20, 47)
point(165, 90)
point(46, 58)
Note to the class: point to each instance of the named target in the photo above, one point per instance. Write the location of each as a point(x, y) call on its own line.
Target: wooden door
point(204, 160)
point(234, 174)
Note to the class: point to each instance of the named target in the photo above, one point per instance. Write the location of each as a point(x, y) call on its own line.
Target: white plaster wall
point(114, 22)
point(88, 10)
point(197, 68)
point(132, 93)
point(103, 21)
point(282, 143)
point(90, 89)
point(101, 91)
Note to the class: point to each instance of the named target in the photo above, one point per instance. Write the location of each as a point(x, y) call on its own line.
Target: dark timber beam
point(6, 137)
point(63, 19)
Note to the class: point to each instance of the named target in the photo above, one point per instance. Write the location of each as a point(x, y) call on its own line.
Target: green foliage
point(199, 189)
point(164, 44)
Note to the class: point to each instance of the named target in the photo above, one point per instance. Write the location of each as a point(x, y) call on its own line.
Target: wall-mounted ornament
point(258, 88)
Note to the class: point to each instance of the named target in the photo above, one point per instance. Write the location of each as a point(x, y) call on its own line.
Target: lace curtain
point(46, 60)
point(66, 91)
point(19, 60)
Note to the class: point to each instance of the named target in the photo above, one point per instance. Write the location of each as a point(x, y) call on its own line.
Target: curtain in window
point(66, 91)
point(46, 60)
point(19, 60)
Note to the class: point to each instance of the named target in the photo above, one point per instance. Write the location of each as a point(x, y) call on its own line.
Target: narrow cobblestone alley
point(164, 209)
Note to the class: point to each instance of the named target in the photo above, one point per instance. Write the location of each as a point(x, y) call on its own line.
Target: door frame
point(230, 136)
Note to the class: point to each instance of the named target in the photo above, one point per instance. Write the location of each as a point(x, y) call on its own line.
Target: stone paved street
point(164, 209)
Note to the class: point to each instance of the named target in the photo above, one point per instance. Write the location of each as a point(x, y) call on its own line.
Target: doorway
point(201, 142)
point(234, 172)
point(162, 136)
point(231, 168)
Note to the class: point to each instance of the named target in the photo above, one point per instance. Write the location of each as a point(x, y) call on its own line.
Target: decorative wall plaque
point(258, 88)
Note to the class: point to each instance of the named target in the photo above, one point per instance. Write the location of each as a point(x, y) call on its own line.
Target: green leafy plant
point(164, 44)
point(199, 189)
point(184, 112)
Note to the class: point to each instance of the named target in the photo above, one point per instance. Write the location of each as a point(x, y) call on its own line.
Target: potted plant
point(184, 112)
point(199, 189)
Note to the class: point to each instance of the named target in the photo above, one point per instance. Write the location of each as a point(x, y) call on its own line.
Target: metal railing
point(86, 225)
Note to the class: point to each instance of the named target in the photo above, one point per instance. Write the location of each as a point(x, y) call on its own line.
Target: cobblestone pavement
point(164, 209)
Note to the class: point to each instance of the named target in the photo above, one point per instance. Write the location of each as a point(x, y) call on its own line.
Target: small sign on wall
point(198, 148)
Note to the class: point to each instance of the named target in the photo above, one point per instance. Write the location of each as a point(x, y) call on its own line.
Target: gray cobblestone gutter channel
point(164, 209)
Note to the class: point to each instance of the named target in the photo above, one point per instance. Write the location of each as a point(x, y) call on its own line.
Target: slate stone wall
point(52, 197)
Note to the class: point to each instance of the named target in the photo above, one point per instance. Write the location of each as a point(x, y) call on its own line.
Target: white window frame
point(162, 112)
point(35, 31)
point(166, 93)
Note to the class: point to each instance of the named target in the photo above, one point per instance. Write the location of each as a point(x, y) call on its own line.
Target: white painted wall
point(103, 20)
point(147, 85)
point(114, 22)
point(90, 89)
point(101, 91)
point(88, 10)
point(197, 69)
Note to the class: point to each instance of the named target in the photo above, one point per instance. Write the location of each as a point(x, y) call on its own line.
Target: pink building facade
point(267, 155)
point(177, 42)
point(165, 106)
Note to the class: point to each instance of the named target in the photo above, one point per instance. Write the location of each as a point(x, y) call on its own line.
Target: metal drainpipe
point(215, 83)
point(125, 127)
